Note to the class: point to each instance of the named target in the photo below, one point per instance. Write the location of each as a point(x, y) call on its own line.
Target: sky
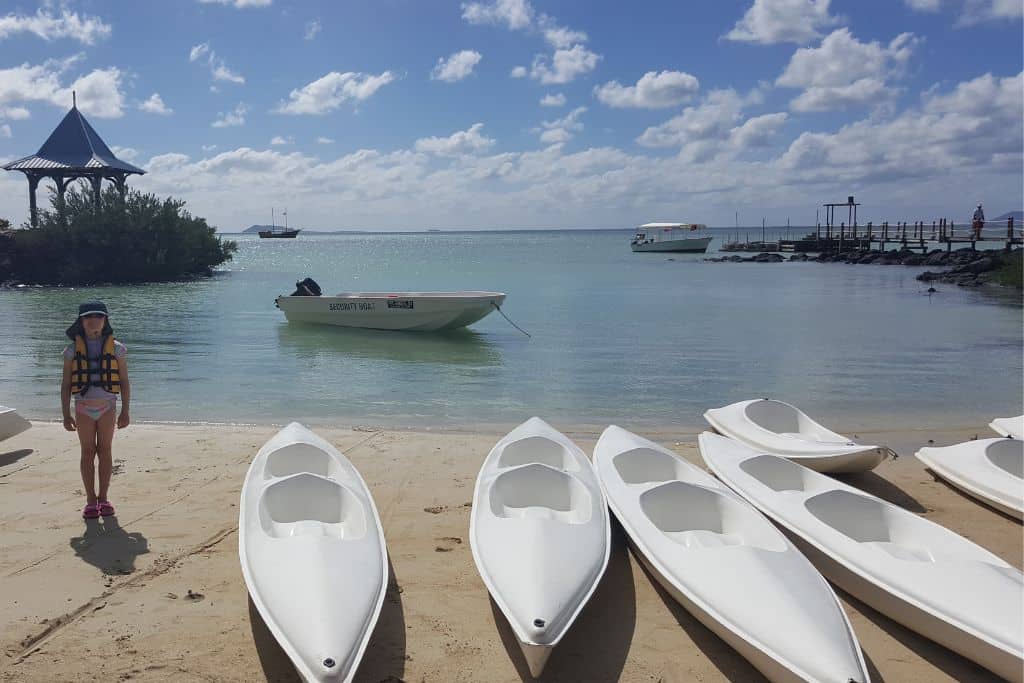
point(492, 114)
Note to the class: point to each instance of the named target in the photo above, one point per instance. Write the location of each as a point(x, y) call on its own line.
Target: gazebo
point(73, 150)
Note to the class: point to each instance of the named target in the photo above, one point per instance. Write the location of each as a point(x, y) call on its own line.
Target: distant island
point(1017, 216)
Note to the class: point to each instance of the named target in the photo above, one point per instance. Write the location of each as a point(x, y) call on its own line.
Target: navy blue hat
point(90, 307)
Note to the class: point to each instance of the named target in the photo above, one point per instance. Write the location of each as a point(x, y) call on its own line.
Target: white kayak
point(991, 470)
point(1012, 427)
point(539, 533)
point(916, 572)
point(781, 429)
point(409, 311)
point(312, 552)
point(11, 424)
point(727, 564)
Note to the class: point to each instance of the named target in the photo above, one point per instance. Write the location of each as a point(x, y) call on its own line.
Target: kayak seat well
point(871, 521)
point(780, 474)
point(299, 457)
point(1007, 456)
point(646, 466)
point(697, 517)
point(538, 449)
point(774, 416)
point(309, 505)
point(540, 492)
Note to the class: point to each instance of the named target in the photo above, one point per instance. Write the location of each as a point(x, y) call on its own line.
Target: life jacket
point(109, 371)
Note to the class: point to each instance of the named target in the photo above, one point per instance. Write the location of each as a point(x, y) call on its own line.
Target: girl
point(96, 372)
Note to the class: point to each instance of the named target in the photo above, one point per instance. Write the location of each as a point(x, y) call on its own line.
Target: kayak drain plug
point(329, 663)
point(539, 623)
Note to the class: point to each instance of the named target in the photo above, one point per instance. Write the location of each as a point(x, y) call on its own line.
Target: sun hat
point(89, 308)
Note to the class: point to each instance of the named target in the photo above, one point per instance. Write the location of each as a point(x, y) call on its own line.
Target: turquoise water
point(634, 339)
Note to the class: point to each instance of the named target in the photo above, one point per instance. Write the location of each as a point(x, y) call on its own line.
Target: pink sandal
point(105, 508)
point(91, 511)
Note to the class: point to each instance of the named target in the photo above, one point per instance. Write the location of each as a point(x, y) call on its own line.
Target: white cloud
point(713, 119)
point(844, 72)
point(518, 72)
point(458, 66)
point(125, 153)
point(978, 11)
point(924, 5)
point(654, 90)
point(5, 131)
point(332, 90)
point(99, 92)
point(198, 51)
point(209, 148)
point(277, 140)
point(783, 21)
point(85, 29)
point(565, 65)
point(312, 28)
point(155, 105)
point(325, 141)
point(238, 3)
point(560, 37)
point(561, 130)
point(757, 131)
point(219, 71)
point(460, 143)
point(235, 117)
point(553, 100)
point(515, 14)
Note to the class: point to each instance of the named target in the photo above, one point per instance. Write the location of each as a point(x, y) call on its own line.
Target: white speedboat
point(991, 470)
point(727, 564)
point(674, 237)
point(916, 572)
point(1012, 427)
point(539, 533)
point(410, 311)
point(781, 429)
point(11, 424)
point(312, 553)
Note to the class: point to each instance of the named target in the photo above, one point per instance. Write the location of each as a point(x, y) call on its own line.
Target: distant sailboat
point(283, 232)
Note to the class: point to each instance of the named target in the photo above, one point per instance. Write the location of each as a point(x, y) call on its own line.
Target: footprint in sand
point(448, 544)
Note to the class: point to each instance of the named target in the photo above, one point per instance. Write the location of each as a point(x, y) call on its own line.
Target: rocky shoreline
point(969, 268)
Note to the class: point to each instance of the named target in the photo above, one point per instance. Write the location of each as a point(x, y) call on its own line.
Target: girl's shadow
point(108, 547)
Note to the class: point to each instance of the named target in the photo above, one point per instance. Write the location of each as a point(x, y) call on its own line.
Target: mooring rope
point(510, 320)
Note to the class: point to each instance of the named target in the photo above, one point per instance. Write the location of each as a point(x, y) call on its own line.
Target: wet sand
point(156, 592)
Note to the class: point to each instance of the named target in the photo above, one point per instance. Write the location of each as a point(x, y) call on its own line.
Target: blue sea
point(647, 340)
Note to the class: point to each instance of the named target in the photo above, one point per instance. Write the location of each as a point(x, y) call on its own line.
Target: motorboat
point(408, 311)
point(11, 423)
point(922, 575)
point(726, 563)
point(312, 552)
point(670, 237)
point(1012, 427)
point(540, 534)
point(782, 429)
point(990, 470)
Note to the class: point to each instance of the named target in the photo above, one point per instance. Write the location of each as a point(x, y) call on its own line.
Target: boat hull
point(918, 573)
point(695, 245)
point(726, 564)
point(11, 424)
point(1012, 427)
point(988, 470)
point(312, 553)
point(540, 534)
point(402, 311)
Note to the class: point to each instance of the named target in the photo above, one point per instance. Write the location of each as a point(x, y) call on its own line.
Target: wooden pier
point(901, 235)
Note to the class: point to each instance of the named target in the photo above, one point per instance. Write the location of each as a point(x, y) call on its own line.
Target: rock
point(982, 265)
point(768, 258)
point(913, 260)
point(936, 258)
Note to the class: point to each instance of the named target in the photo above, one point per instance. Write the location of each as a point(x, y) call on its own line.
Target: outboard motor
point(307, 287)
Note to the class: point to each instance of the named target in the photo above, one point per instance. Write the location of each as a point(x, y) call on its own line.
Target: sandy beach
point(156, 593)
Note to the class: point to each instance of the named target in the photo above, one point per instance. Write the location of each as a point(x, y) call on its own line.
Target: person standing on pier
point(978, 223)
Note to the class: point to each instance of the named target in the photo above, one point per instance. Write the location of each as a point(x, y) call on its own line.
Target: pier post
point(1009, 235)
point(842, 230)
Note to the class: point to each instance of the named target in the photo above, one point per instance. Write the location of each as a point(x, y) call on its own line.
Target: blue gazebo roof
point(73, 146)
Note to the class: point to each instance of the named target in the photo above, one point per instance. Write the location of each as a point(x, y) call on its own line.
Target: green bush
point(136, 239)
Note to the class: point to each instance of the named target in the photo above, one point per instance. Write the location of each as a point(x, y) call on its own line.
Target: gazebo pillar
point(97, 182)
point(62, 185)
point(33, 183)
